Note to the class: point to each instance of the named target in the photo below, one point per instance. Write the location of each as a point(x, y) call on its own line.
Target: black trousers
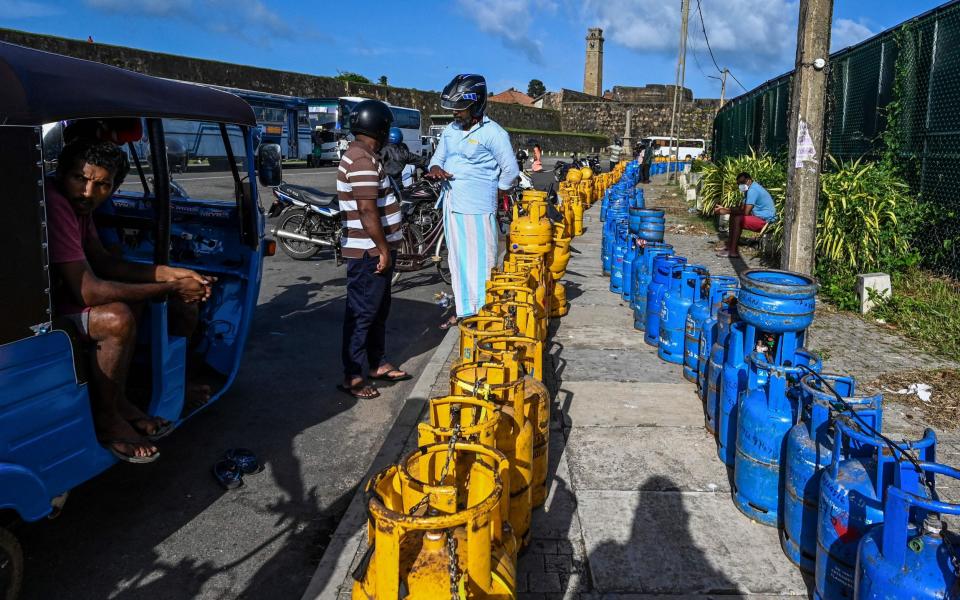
point(365, 316)
point(646, 173)
point(613, 163)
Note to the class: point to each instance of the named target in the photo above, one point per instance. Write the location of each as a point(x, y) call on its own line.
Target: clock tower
point(593, 68)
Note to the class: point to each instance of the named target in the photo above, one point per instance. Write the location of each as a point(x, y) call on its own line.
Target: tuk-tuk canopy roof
point(39, 87)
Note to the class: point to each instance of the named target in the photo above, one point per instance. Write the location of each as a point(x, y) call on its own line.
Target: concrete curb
point(335, 564)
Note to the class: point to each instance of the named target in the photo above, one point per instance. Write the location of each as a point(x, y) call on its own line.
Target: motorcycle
point(309, 221)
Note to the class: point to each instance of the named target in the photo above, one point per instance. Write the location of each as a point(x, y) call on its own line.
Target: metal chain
point(454, 569)
point(454, 438)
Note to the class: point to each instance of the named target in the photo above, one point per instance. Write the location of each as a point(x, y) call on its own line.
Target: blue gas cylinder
point(912, 554)
point(638, 199)
point(776, 301)
point(628, 259)
point(603, 204)
point(620, 247)
point(642, 277)
point(852, 489)
point(713, 374)
point(639, 214)
point(674, 309)
point(652, 228)
point(732, 380)
point(701, 318)
point(663, 269)
point(712, 349)
point(608, 243)
point(764, 417)
point(808, 450)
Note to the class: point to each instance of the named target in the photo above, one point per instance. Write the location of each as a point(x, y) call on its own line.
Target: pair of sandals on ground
point(361, 390)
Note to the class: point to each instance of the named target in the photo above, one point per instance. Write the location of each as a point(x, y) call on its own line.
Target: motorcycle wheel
point(293, 221)
point(11, 566)
point(443, 264)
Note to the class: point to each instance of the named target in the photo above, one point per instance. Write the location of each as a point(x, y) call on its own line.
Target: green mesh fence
point(898, 92)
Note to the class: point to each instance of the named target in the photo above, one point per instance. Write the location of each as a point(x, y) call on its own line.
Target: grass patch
point(926, 308)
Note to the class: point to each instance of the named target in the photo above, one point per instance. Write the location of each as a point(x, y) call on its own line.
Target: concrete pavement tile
point(645, 458)
point(700, 542)
point(578, 363)
point(614, 404)
point(544, 582)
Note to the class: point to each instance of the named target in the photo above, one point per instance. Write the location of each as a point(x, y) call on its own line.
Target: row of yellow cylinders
point(450, 518)
point(533, 235)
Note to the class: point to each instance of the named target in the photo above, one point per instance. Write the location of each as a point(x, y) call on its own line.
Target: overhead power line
point(703, 27)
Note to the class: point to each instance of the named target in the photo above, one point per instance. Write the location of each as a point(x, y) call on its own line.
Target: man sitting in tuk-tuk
point(102, 294)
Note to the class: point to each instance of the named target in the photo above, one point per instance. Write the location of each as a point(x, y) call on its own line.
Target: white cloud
point(25, 9)
point(752, 35)
point(510, 21)
point(847, 32)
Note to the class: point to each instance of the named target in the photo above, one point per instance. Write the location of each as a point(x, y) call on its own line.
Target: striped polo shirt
point(361, 177)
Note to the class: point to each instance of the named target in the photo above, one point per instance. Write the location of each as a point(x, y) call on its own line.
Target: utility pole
point(806, 136)
point(681, 74)
point(723, 86)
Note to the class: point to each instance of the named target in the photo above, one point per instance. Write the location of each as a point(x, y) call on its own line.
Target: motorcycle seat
point(309, 195)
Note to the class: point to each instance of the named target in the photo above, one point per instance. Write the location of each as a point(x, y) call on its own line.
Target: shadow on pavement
point(167, 529)
point(661, 556)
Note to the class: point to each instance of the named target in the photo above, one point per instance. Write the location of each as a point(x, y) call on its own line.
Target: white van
point(687, 149)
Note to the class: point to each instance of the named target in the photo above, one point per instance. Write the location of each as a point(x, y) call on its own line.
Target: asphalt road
point(167, 530)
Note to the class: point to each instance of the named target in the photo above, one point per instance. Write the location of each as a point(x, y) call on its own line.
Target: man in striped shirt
point(371, 219)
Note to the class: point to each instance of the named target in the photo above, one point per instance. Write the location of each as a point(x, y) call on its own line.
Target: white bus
point(330, 121)
point(686, 149)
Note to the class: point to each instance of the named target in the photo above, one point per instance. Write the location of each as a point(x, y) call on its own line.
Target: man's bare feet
point(359, 389)
point(387, 372)
point(118, 436)
point(153, 428)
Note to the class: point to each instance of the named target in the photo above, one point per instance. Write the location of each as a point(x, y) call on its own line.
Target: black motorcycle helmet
point(372, 118)
point(466, 91)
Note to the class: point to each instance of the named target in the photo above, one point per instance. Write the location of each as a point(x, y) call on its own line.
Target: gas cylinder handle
point(900, 498)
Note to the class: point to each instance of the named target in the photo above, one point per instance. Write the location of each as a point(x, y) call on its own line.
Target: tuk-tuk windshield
point(198, 160)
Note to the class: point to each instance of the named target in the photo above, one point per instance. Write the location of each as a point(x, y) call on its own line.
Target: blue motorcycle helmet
point(395, 136)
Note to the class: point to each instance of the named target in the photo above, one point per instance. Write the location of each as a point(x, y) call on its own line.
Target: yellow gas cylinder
point(532, 233)
point(529, 197)
point(574, 176)
point(504, 292)
point(586, 173)
point(432, 535)
point(535, 265)
point(560, 305)
point(524, 278)
point(493, 382)
point(478, 326)
point(471, 419)
point(527, 317)
point(577, 210)
point(585, 189)
point(523, 357)
point(560, 256)
point(567, 204)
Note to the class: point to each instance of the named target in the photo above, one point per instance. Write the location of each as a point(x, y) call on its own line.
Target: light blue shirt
point(481, 160)
point(762, 202)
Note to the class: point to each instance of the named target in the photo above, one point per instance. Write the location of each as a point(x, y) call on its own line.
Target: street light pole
point(806, 137)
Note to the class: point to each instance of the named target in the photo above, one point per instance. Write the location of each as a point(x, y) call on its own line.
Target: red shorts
point(753, 223)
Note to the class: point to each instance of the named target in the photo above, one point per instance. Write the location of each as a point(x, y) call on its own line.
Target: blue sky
point(422, 44)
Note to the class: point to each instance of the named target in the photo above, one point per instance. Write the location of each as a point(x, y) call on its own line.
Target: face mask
point(743, 187)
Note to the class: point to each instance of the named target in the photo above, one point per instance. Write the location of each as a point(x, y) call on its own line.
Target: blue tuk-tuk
point(47, 439)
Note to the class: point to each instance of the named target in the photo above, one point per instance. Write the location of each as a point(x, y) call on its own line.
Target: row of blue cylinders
point(803, 461)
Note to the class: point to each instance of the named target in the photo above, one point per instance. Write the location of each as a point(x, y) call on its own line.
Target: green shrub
point(719, 187)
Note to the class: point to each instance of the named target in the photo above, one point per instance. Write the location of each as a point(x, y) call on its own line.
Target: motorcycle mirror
point(269, 171)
